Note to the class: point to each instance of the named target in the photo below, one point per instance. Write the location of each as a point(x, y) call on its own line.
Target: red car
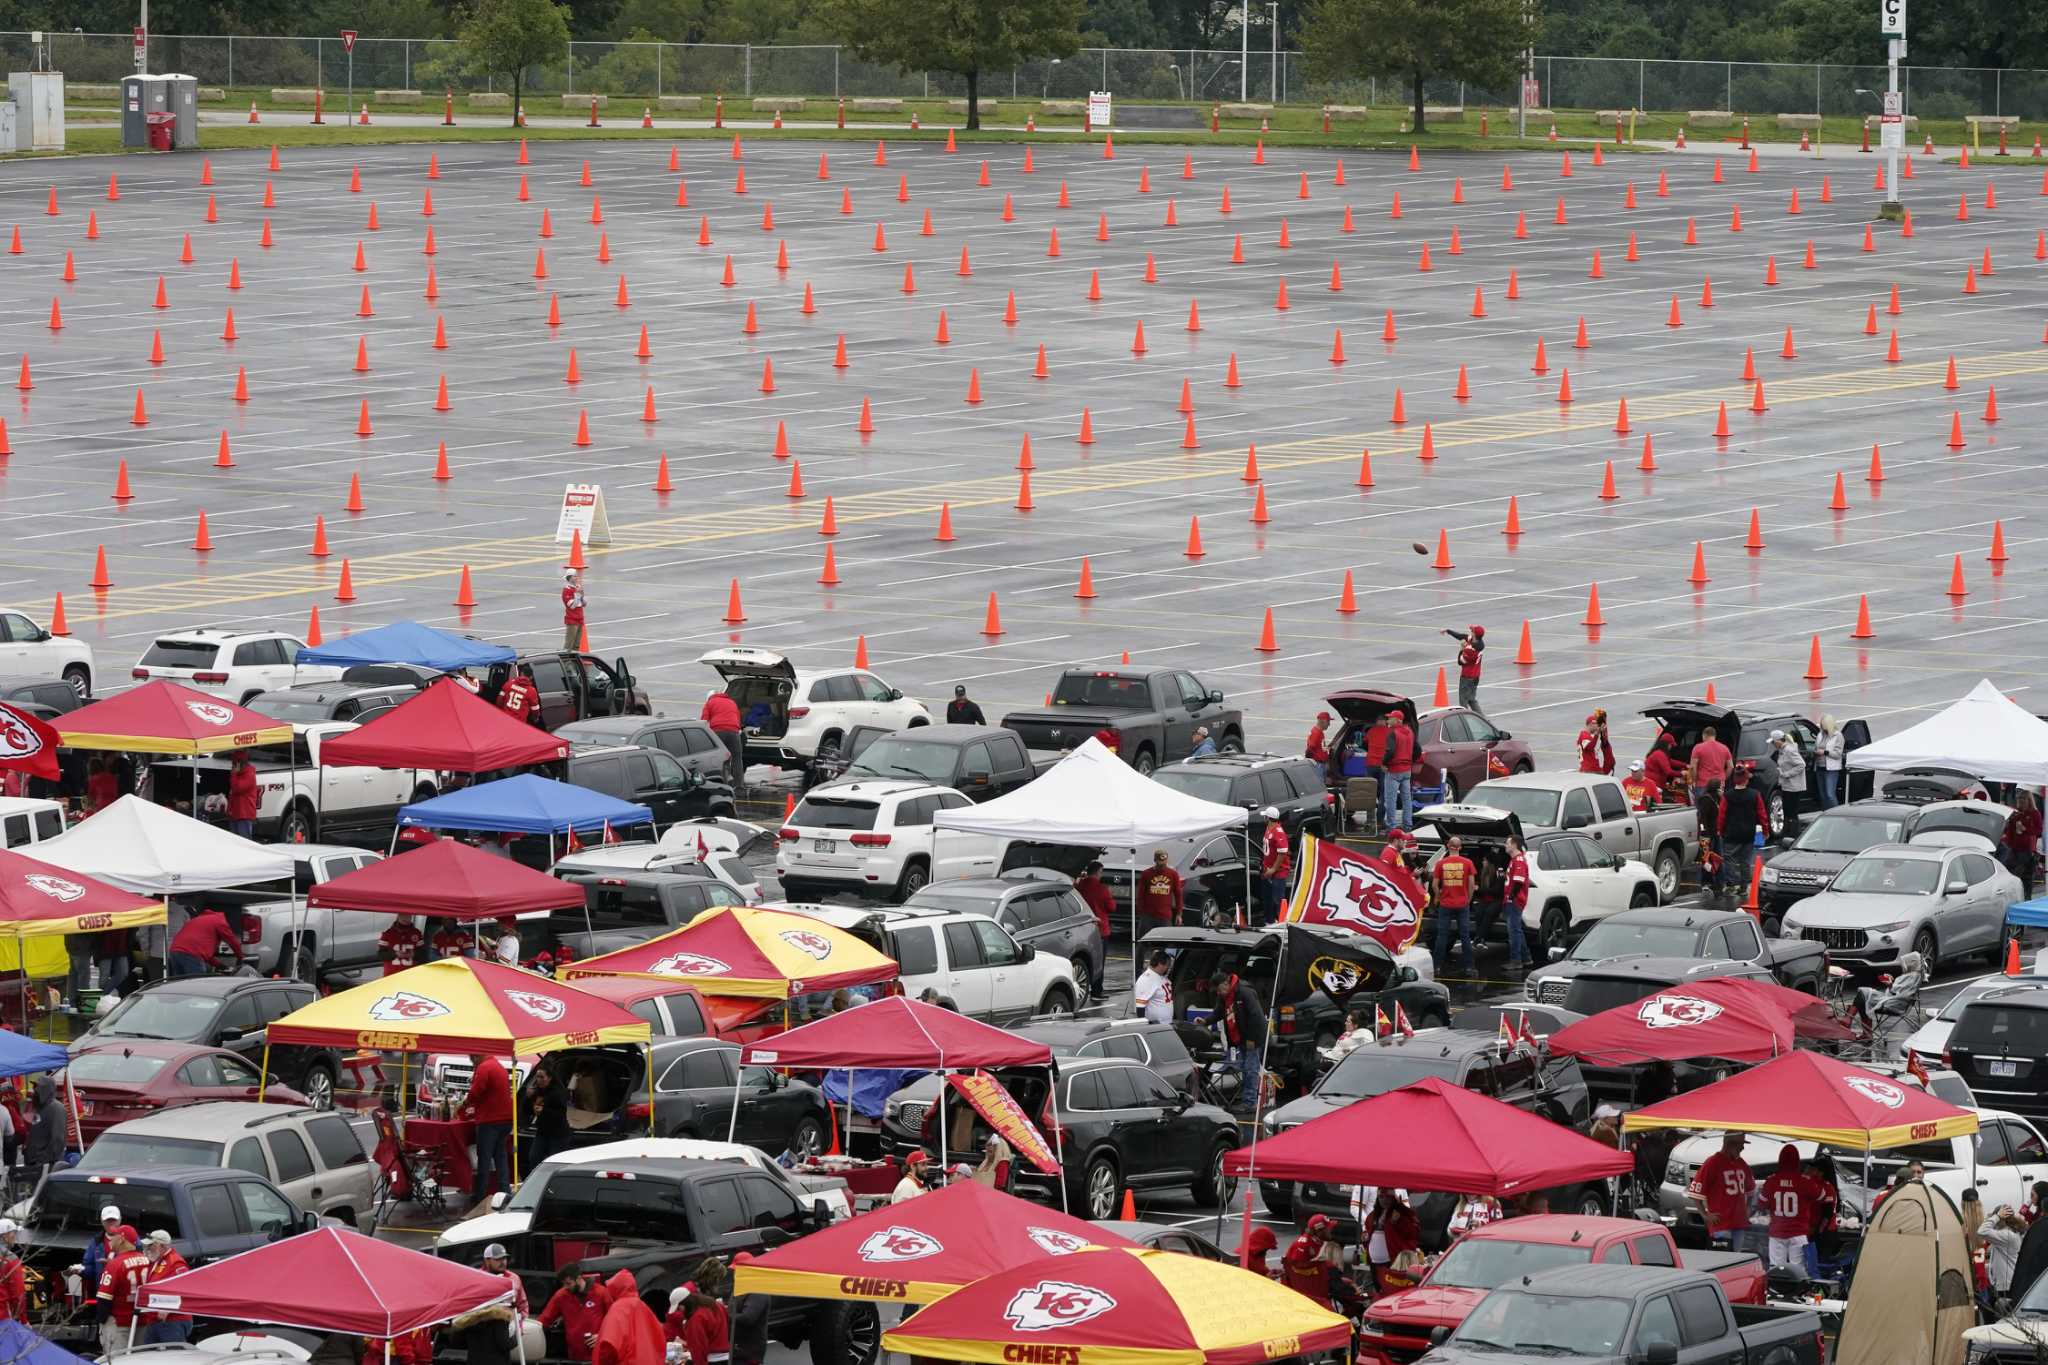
point(1455, 743)
point(118, 1081)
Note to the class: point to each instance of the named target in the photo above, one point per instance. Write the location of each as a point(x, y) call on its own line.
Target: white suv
point(969, 960)
point(875, 838)
point(230, 663)
point(30, 653)
point(794, 715)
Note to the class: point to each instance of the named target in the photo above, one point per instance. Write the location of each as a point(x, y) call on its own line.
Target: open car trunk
point(599, 1083)
point(1687, 722)
point(760, 682)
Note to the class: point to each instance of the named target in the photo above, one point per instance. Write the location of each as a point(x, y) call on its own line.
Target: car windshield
point(1370, 1071)
point(527, 1196)
point(935, 898)
point(114, 1068)
point(1881, 876)
point(1591, 994)
point(116, 1150)
point(1838, 833)
point(1549, 1323)
point(297, 710)
point(1611, 939)
point(1536, 807)
point(1102, 692)
point(923, 760)
point(161, 1014)
point(1201, 783)
point(1489, 1262)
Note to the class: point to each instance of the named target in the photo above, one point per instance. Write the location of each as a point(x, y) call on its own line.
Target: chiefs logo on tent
point(213, 713)
point(1052, 1304)
point(690, 964)
point(1359, 894)
point(1056, 1243)
point(1676, 1011)
point(404, 1007)
point(545, 1008)
point(896, 1243)
point(54, 887)
point(1875, 1090)
point(808, 941)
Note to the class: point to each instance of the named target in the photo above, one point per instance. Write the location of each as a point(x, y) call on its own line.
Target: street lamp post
point(1244, 48)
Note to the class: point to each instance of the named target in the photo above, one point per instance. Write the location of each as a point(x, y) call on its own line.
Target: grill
point(1790, 878)
point(912, 1116)
point(1552, 992)
point(1838, 939)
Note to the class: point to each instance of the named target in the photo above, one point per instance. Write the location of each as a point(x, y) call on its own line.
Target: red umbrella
point(330, 1280)
point(450, 879)
point(1742, 1021)
point(919, 1250)
point(1807, 1095)
point(898, 1032)
point(447, 727)
point(1450, 1140)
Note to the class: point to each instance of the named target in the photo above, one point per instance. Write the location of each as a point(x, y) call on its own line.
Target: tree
point(966, 37)
point(1480, 41)
point(504, 37)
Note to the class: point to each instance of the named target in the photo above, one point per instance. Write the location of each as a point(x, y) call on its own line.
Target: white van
point(26, 820)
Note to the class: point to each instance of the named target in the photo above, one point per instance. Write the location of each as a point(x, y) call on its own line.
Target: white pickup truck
point(299, 801)
point(282, 935)
point(1666, 838)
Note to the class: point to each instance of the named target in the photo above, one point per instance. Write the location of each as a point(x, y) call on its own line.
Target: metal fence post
point(750, 71)
point(408, 63)
point(1642, 85)
point(1105, 68)
point(1997, 91)
point(1728, 99)
point(835, 74)
point(570, 63)
point(320, 62)
point(657, 71)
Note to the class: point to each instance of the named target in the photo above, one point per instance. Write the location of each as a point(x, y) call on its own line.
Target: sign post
point(1099, 106)
point(1891, 23)
point(348, 45)
point(141, 50)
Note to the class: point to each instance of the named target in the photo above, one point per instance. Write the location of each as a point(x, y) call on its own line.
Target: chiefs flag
point(1338, 888)
point(27, 745)
point(1003, 1113)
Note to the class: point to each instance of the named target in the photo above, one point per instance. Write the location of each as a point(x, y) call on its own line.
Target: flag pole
point(1287, 917)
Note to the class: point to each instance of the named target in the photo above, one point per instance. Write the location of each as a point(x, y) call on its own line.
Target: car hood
point(1299, 1111)
point(1857, 909)
point(486, 1227)
point(1470, 821)
point(744, 661)
point(1426, 1305)
point(1804, 860)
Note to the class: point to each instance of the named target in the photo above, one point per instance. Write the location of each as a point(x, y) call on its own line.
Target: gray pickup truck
point(1154, 712)
point(1683, 931)
point(1666, 837)
point(1629, 1315)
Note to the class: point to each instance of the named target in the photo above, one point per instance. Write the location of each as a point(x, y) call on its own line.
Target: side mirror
point(1439, 1335)
point(498, 1201)
point(1660, 1353)
point(1955, 888)
point(1785, 841)
point(1499, 735)
point(775, 1237)
point(1408, 974)
point(1576, 822)
point(1216, 698)
point(1557, 954)
point(893, 694)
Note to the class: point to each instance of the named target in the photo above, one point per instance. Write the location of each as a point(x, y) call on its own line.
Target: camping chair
point(415, 1175)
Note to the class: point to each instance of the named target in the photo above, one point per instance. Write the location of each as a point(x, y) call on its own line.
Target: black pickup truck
point(1154, 712)
point(1681, 932)
point(1629, 1315)
point(660, 1219)
point(981, 762)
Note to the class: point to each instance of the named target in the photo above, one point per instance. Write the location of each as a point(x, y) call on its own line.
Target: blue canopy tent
point(2031, 914)
point(525, 804)
point(407, 642)
point(20, 1346)
point(20, 1056)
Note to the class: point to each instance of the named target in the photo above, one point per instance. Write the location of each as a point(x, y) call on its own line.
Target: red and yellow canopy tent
point(743, 951)
point(461, 1004)
point(163, 717)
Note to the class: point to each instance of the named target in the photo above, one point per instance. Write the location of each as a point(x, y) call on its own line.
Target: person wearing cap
point(1471, 646)
point(1745, 828)
point(572, 611)
point(1636, 787)
point(913, 1182)
point(1276, 864)
point(1791, 765)
point(507, 948)
point(497, 1262)
point(1514, 895)
point(1257, 1247)
point(1596, 751)
point(101, 1248)
point(243, 795)
point(164, 1262)
point(118, 1295)
point(722, 714)
point(1661, 768)
point(1317, 748)
point(1726, 1187)
point(1204, 746)
point(1312, 1262)
point(1397, 785)
point(1097, 894)
point(1452, 879)
point(963, 710)
point(13, 1274)
point(1160, 899)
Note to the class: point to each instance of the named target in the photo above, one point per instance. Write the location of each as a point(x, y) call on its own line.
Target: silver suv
point(1040, 908)
point(317, 1159)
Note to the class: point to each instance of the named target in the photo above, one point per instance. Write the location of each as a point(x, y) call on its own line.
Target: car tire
point(1279, 1198)
point(1670, 865)
point(1929, 948)
point(1232, 743)
point(302, 956)
point(828, 749)
point(1590, 1202)
point(1144, 761)
point(1212, 1188)
point(1557, 923)
point(1085, 984)
point(299, 826)
point(916, 876)
point(808, 1138)
point(1643, 897)
point(80, 679)
point(847, 1333)
point(1776, 806)
point(1450, 788)
point(1102, 1190)
point(317, 1085)
point(1056, 1000)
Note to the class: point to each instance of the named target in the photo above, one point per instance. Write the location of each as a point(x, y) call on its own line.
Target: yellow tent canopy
point(460, 1005)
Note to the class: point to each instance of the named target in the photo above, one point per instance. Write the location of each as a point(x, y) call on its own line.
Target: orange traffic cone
point(734, 614)
point(992, 621)
point(1194, 548)
point(945, 522)
point(1956, 586)
point(1525, 653)
point(2012, 957)
point(1593, 617)
point(1514, 522)
point(1268, 644)
point(1347, 598)
point(1863, 630)
point(1443, 690)
point(1086, 588)
point(1699, 564)
point(345, 591)
point(1443, 551)
point(1997, 555)
point(1814, 670)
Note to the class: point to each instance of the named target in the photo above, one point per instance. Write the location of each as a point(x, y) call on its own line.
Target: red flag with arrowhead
point(1917, 1070)
point(1380, 900)
point(27, 744)
point(1380, 1027)
point(1401, 1021)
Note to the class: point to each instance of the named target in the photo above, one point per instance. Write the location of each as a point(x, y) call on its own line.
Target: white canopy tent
point(1985, 734)
point(1092, 797)
point(152, 850)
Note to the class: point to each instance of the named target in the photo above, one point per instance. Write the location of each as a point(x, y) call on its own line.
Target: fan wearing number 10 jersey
point(1790, 1197)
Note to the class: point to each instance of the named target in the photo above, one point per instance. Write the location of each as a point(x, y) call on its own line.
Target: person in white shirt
point(1153, 992)
point(1474, 1211)
point(912, 1184)
point(507, 950)
point(1833, 749)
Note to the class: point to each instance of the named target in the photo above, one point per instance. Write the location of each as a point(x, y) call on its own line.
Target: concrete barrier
point(1347, 113)
point(1803, 122)
point(1443, 113)
point(1709, 118)
point(212, 94)
point(670, 103)
point(1244, 110)
point(875, 104)
point(397, 96)
point(779, 106)
point(488, 99)
point(1608, 118)
point(304, 97)
point(1062, 108)
point(1993, 122)
point(583, 101)
point(960, 106)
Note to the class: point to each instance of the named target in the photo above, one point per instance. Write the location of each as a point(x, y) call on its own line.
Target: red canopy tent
point(450, 879)
point(1807, 1095)
point(163, 717)
point(919, 1251)
point(898, 1032)
point(330, 1280)
point(447, 727)
point(1742, 1021)
point(1450, 1140)
point(39, 898)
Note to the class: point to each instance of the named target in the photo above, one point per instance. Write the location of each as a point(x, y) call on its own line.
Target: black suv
point(2000, 1049)
point(691, 743)
point(1253, 782)
point(651, 778)
point(695, 1080)
point(1549, 1087)
point(1119, 1125)
point(223, 1011)
point(1748, 737)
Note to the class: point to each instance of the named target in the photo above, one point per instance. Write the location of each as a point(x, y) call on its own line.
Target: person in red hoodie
point(630, 1333)
point(578, 1304)
point(722, 714)
point(489, 1106)
point(700, 1323)
point(243, 795)
point(1096, 893)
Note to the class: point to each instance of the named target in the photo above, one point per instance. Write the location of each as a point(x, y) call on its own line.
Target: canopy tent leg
point(648, 1051)
point(263, 1081)
point(513, 1184)
point(732, 1122)
point(402, 1104)
point(1134, 917)
point(1059, 1137)
point(849, 1112)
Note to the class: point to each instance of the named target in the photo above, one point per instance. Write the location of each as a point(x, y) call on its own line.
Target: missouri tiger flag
point(1336, 887)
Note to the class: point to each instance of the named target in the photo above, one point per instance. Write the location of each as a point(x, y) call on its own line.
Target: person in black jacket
point(1743, 816)
point(749, 1324)
point(46, 1134)
point(1707, 806)
point(962, 710)
point(484, 1334)
point(548, 1103)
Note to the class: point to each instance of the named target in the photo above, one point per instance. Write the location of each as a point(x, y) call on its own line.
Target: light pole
point(142, 48)
point(1273, 77)
point(1244, 49)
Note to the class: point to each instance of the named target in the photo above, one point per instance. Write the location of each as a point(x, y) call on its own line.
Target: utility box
point(39, 109)
point(181, 97)
point(7, 127)
point(141, 96)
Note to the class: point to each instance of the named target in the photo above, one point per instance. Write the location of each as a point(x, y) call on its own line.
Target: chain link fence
point(648, 70)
